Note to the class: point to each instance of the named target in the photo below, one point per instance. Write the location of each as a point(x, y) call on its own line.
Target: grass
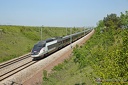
point(68, 73)
point(19, 40)
point(13, 43)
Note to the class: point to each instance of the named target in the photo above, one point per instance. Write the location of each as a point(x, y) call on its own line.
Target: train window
point(52, 46)
point(42, 45)
point(37, 47)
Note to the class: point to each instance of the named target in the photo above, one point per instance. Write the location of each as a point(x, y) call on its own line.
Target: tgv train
point(48, 46)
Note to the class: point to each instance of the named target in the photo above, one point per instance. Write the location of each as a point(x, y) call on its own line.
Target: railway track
point(14, 61)
point(16, 69)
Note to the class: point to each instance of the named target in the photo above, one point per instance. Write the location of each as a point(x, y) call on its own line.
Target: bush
point(107, 59)
point(58, 67)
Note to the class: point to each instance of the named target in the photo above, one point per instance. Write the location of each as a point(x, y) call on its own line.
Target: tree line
point(112, 21)
point(107, 51)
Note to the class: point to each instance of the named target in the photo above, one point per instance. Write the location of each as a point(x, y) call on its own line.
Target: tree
point(124, 19)
point(112, 21)
point(100, 23)
point(100, 26)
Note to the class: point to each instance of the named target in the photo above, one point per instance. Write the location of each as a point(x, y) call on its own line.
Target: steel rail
point(14, 61)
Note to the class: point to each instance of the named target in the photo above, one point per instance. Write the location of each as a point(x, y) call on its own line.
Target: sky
point(58, 13)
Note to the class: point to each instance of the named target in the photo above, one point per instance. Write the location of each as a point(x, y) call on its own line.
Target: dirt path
point(38, 77)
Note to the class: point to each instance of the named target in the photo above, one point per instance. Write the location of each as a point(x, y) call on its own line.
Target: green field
point(19, 40)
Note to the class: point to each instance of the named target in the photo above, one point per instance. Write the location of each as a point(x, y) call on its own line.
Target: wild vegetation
point(101, 60)
point(18, 40)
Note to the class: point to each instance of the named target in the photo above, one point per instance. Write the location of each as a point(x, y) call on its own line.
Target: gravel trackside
point(33, 74)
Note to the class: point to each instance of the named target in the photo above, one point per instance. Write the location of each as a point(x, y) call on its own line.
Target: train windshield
point(37, 47)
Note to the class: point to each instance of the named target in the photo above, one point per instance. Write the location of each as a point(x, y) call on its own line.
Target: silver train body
point(48, 46)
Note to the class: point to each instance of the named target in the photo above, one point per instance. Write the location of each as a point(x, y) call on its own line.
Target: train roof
point(47, 40)
point(50, 39)
point(71, 35)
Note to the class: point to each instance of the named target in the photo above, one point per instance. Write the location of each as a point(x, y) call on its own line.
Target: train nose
point(34, 53)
